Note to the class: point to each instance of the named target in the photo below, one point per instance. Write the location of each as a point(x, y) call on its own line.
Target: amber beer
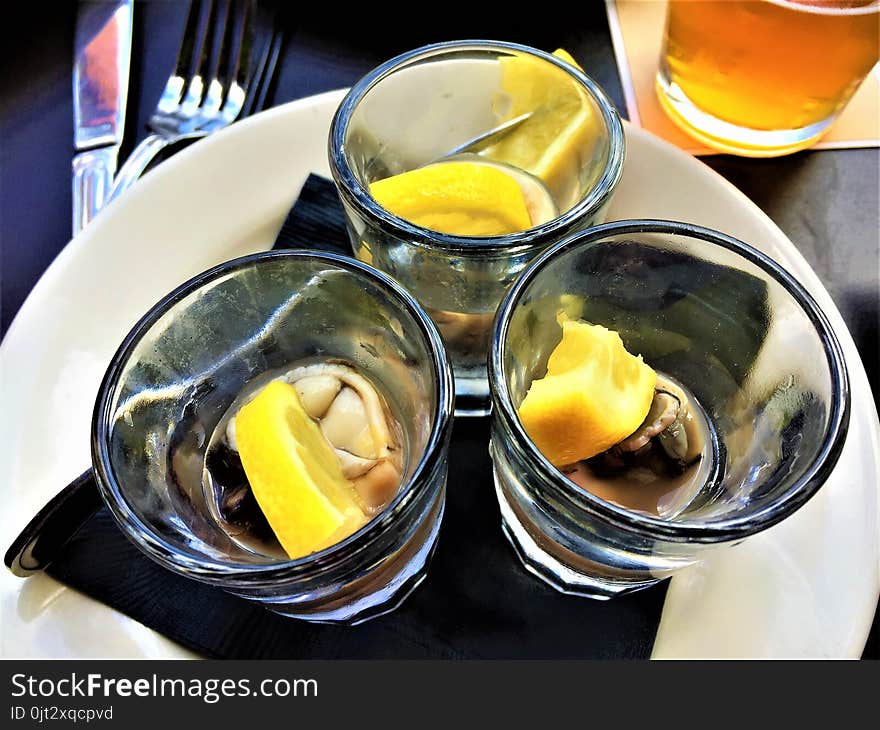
point(764, 77)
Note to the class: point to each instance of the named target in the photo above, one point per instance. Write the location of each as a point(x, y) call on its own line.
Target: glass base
point(727, 137)
point(387, 598)
point(472, 397)
point(552, 571)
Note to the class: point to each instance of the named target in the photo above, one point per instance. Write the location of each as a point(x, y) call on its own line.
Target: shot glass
point(183, 364)
point(417, 108)
point(726, 322)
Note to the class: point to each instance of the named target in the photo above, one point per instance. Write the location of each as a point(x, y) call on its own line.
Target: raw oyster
point(353, 419)
point(669, 440)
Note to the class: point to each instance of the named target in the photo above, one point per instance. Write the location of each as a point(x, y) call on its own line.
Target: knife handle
point(45, 535)
point(93, 172)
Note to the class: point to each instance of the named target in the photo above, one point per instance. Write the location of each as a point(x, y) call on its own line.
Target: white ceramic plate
point(807, 587)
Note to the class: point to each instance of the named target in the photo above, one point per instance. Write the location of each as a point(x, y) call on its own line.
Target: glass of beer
point(763, 78)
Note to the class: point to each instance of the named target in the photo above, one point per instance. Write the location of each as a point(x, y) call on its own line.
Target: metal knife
point(100, 92)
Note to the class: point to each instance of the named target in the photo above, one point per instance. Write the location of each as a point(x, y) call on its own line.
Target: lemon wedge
point(461, 198)
point(294, 472)
point(594, 395)
point(538, 199)
point(555, 141)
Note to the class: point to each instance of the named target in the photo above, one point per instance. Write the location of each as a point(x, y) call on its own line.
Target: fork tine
point(245, 56)
point(264, 74)
point(186, 53)
point(236, 44)
point(217, 39)
point(178, 80)
point(264, 59)
point(202, 56)
point(222, 41)
point(202, 45)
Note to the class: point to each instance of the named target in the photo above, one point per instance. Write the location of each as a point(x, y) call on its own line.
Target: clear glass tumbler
point(764, 77)
point(184, 363)
point(720, 318)
point(414, 110)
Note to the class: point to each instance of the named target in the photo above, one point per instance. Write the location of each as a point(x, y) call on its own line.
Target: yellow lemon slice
point(462, 198)
point(294, 473)
point(538, 199)
point(594, 395)
point(555, 142)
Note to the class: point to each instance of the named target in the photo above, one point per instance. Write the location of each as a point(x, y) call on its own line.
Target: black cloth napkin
point(477, 602)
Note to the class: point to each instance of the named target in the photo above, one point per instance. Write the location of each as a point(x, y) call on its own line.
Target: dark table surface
point(827, 202)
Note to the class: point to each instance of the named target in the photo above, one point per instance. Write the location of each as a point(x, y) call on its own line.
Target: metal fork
point(209, 88)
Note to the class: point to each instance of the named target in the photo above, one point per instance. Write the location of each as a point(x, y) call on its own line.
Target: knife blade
point(100, 93)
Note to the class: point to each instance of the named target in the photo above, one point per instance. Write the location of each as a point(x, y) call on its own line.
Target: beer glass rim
point(731, 528)
point(871, 7)
point(204, 567)
point(355, 194)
